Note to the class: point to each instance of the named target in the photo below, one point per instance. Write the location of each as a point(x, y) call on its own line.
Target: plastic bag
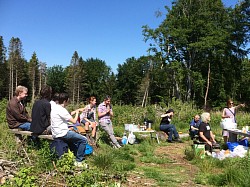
point(227, 123)
point(131, 138)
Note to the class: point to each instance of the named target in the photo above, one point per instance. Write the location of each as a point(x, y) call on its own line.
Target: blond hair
point(204, 117)
point(20, 89)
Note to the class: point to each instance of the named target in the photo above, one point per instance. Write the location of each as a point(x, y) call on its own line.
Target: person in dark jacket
point(205, 133)
point(41, 112)
point(168, 128)
point(16, 113)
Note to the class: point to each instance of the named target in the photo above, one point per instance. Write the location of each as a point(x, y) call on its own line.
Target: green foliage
point(189, 153)
point(115, 161)
point(44, 156)
point(3, 104)
point(56, 78)
point(66, 163)
point(25, 178)
point(228, 172)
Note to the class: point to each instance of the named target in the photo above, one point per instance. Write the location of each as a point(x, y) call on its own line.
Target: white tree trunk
point(208, 80)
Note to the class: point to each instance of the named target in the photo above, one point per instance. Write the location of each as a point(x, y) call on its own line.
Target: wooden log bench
point(19, 138)
point(29, 133)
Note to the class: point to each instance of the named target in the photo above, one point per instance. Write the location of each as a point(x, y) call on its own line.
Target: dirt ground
point(183, 176)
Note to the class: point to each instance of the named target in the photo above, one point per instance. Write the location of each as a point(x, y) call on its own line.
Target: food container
point(131, 127)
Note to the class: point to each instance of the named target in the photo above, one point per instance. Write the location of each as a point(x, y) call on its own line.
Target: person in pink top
point(105, 112)
point(230, 112)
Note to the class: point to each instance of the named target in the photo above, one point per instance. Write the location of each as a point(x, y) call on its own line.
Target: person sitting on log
point(16, 113)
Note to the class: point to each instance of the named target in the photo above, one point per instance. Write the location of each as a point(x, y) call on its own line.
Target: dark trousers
point(170, 130)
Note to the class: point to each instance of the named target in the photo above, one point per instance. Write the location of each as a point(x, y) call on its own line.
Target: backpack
point(88, 150)
point(59, 147)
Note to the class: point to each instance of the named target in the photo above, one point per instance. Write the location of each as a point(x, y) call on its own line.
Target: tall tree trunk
point(78, 92)
point(10, 81)
point(16, 78)
point(177, 88)
point(74, 88)
point(40, 81)
point(33, 87)
point(208, 80)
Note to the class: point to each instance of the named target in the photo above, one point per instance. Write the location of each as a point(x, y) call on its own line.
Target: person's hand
point(209, 143)
point(107, 109)
point(242, 105)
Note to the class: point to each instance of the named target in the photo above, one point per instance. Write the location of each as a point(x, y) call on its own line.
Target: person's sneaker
point(118, 146)
point(208, 153)
point(178, 140)
point(170, 141)
point(81, 165)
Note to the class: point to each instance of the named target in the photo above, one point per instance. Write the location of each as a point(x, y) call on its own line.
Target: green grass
point(112, 167)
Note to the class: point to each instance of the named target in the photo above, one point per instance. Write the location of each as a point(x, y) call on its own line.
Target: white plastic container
point(131, 127)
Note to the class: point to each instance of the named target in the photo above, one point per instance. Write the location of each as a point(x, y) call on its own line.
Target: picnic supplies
point(227, 123)
point(131, 138)
point(124, 139)
point(78, 129)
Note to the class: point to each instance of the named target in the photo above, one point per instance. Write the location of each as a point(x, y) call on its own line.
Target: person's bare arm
point(239, 106)
point(164, 115)
point(212, 136)
point(74, 120)
point(193, 128)
point(204, 138)
point(224, 114)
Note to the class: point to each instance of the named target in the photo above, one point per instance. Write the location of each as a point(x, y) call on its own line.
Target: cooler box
point(131, 127)
point(199, 150)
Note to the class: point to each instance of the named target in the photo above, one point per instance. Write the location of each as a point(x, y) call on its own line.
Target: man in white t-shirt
point(59, 127)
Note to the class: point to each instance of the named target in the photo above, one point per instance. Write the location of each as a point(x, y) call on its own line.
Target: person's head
point(230, 103)
point(196, 118)
point(55, 97)
point(205, 117)
point(107, 100)
point(21, 92)
point(63, 98)
point(46, 92)
point(92, 100)
point(170, 111)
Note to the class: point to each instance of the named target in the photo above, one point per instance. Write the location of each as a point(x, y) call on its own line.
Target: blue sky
point(109, 30)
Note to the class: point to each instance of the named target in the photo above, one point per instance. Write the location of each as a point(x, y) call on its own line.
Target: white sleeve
point(65, 114)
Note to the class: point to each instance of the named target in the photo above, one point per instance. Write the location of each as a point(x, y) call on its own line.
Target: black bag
point(59, 147)
point(90, 115)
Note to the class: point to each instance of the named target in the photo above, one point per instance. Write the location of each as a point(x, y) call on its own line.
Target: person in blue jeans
point(194, 126)
point(168, 128)
point(59, 127)
point(16, 113)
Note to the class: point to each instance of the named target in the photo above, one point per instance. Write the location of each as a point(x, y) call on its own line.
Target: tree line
point(198, 53)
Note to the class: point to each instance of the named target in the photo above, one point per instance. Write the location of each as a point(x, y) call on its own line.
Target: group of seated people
point(199, 128)
point(49, 116)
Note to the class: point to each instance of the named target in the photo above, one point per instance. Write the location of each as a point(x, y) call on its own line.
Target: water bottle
point(124, 139)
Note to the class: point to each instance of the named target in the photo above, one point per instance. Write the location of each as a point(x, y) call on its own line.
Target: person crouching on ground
point(59, 127)
point(168, 128)
point(205, 133)
point(194, 126)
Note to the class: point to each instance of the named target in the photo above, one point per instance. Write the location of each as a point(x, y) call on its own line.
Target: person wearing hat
point(168, 128)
